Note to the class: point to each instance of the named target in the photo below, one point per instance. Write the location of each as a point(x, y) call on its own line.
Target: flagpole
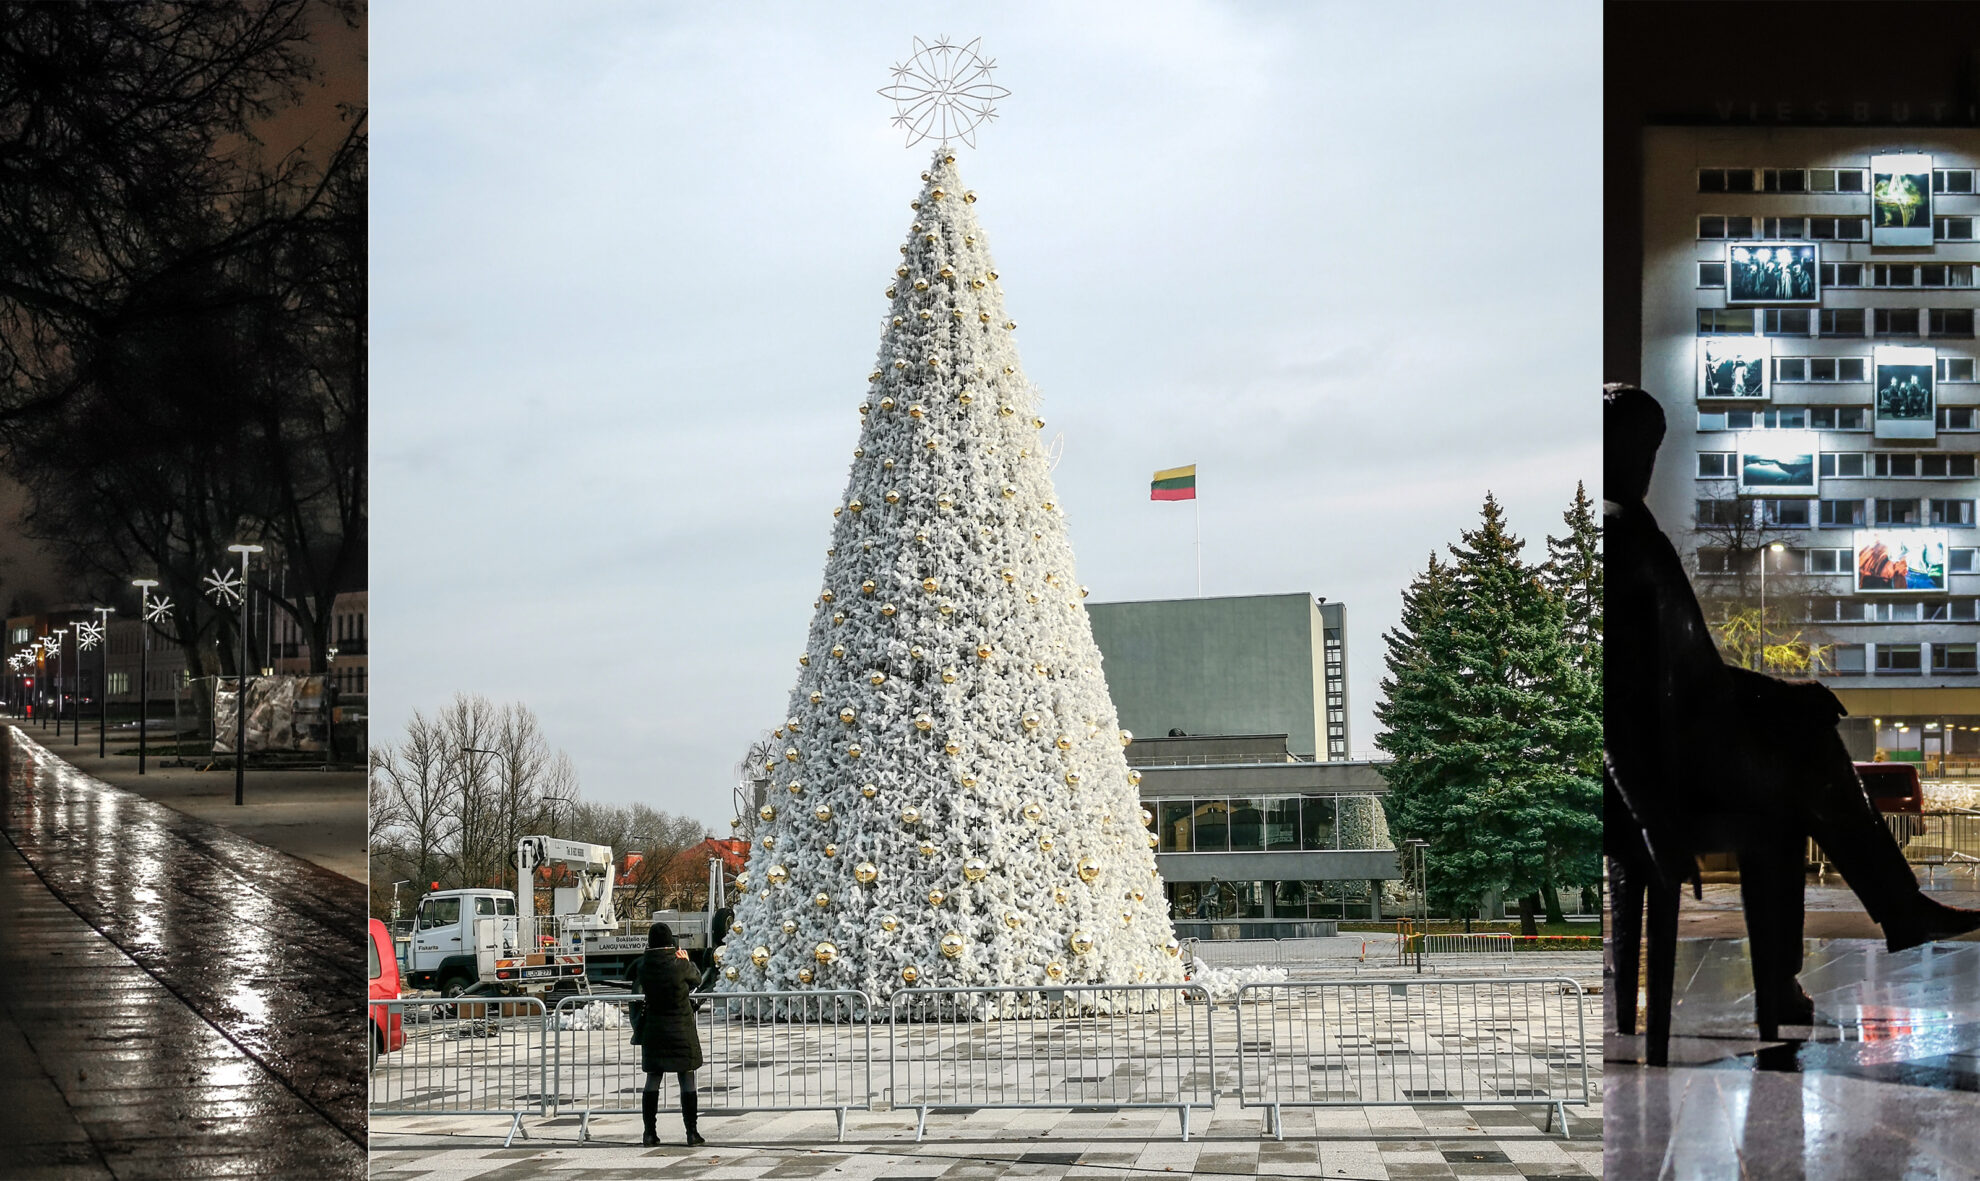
point(1197, 506)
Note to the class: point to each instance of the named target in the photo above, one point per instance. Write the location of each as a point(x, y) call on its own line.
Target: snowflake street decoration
point(224, 588)
point(158, 610)
point(87, 635)
point(943, 92)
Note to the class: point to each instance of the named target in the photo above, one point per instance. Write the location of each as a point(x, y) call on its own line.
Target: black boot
point(690, 1107)
point(649, 1105)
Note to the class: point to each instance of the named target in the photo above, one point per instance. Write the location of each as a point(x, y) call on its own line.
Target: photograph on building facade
point(1773, 272)
point(1777, 463)
point(1901, 200)
point(1905, 405)
point(1734, 367)
point(1901, 559)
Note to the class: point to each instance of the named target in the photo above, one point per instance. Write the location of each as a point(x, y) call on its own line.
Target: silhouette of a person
point(1685, 735)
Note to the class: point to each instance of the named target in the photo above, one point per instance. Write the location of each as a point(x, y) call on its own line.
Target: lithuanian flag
point(1177, 483)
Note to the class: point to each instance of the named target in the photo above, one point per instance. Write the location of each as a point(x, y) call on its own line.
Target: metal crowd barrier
point(760, 1051)
point(1081, 1046)
point(1414, 1041)
point(1498, 942)
point(1235, 953)
point(1932, 839)
point(463, 1057)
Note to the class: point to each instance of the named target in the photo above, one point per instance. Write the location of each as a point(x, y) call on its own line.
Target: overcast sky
point(628, 262)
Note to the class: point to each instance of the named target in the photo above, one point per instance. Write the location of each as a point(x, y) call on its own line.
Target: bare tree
point(419, 831)
point(471, 723)
point(1731, 538)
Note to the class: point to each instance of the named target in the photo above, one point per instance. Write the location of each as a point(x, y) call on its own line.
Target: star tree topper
point(943, 92)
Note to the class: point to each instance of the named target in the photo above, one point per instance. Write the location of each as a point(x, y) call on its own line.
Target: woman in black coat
point(668, 1042)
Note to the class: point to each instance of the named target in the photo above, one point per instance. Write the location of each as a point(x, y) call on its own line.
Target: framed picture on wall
point(1773, 272)
point(1904, 404)
point(1735, 367)
point(1901, 200)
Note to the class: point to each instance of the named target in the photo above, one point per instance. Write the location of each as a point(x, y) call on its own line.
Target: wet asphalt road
point(265, 952)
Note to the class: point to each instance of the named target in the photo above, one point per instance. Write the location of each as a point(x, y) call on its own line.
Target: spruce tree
point(1573, 573)
point(952, 804)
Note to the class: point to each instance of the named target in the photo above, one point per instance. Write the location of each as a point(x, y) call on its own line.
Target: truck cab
point(441, 954)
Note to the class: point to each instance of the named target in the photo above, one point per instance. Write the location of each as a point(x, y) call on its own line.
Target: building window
point(1835, 180)
point(1725, 180)
point(1786, 321)
point(1898, 658)
point(1247, 824)
point(1938, 274)
point(1841, 229)
point(120, 683)
point(1896, 512)
point(1949, 610)
point(1714, 465)
point(1735, 321)
point(1847, 660)
point(1317, 827)
point(1955, 368)
point(1838, 418)
point(1282, 824)
point(1892, 275)
point(1783, 180)
point(1711, 274)
point(1894, 321)
point(1952, 322)
point(1952, 229)
point(1841, 513)
point(1842, 274)
point(1954, 660)
point(1893, 464)
point(1788, 418)
point(1956, 418)
point(1834, 322)
point(1952, 180)
point(1963, 561)
point(1787, 514)
point(1945, 465)
point(1955, 513)
point(1784, 227)
point(1717, 513)
point(1828, 560)
point(1845, 464)
point(1213, 826)
point(1725, 227)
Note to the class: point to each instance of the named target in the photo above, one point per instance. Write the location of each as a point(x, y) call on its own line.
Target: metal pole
point(103, 615)
point(144, 673)
point(75, 720)
point(1763, 608)
point(1197, 507)
point(240, 695)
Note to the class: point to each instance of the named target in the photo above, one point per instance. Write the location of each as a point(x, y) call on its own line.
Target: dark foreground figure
point(1700, 757)
point(668, 1041)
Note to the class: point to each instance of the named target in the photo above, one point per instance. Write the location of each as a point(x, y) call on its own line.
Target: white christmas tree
point(951, 804)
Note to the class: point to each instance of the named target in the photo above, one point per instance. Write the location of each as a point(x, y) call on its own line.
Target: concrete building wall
point(1806, 593)
point(1238, 665)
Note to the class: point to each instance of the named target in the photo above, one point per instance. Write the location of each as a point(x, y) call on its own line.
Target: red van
point(387, 1032)
point(1896, 790)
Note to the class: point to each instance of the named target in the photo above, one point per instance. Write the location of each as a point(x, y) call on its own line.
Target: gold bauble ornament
point(1006, 410)
point(821, 899)
point(1134, 776)
point(824, 953)
point(1045, 844)
point(969, 781)
point(948, 676)
point(737, 928)
point(937, 897)
point(1083, 592)
point(797, 787)
point(838, 618)
point(910, 974)
point(976, 283)
point(923, 722)
point(914, 204)
point(867, 587)
point(790, 926)
point(889, 923)
point(918, 653)
point(1032, 721)
point(921, 284)
point(848, 715)
point(1081, 942)
point(831, 850)
point(915, 411)
point(969, 198)
point(1147, 818)
point(951, 748)
point(953, 944)
point(791, 724)
point(823, 812)
point(1055, 969)
point(791, 754)
point(735, 822)
point(1072, 779)
point(868, 790)
point(975, 869)
point(887, 402)
point(1013, 919)
point(877, 677)
point(1089, 869)
point(853, 751)
point(910, 815)
point(1034, 812)
point(865, 873)
point(931, 586)
point(839, 650)
point(925, 315)
point(1127, 916)
point(729, 973)
point(983, 651)
point(1059, 895)
point(804, 975)
point(817, 697)
point(1171, 946)
point(1009, 575)
point(778, 875)
point(926, 848)
point(760, 955)
point(857, 506)
point(944, 503)
point(891, 497)
point(1153, 840)
point(887, 465)
point(766, 813)
point(1009, 492)
point(804, 658)
point(945, 273)
point(1064, 742)
point(1136, 895)
point(965, 398)
point(887, 610)
point(768, 842)
point(992, 275)
point(947, 608)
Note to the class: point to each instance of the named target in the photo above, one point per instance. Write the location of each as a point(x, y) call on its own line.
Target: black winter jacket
point(669, 1044)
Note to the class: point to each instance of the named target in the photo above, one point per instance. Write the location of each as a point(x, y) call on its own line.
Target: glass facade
point(1224, 901)
point(1266, 824)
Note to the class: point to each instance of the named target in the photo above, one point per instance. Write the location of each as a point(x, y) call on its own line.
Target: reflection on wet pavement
point(1885, 1084)
point(193, 999)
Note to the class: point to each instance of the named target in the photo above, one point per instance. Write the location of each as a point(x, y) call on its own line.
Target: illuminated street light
point(1776, 547)
point(149, 611)
point(103, 615)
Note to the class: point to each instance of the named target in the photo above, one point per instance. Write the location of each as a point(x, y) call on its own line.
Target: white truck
point(483, 936)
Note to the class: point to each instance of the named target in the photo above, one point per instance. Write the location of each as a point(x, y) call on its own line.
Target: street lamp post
point(61, 682)
point(246, 551)
point(1421, 850)
point(145, 617)
point(103, 615)
point(1775, 548)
